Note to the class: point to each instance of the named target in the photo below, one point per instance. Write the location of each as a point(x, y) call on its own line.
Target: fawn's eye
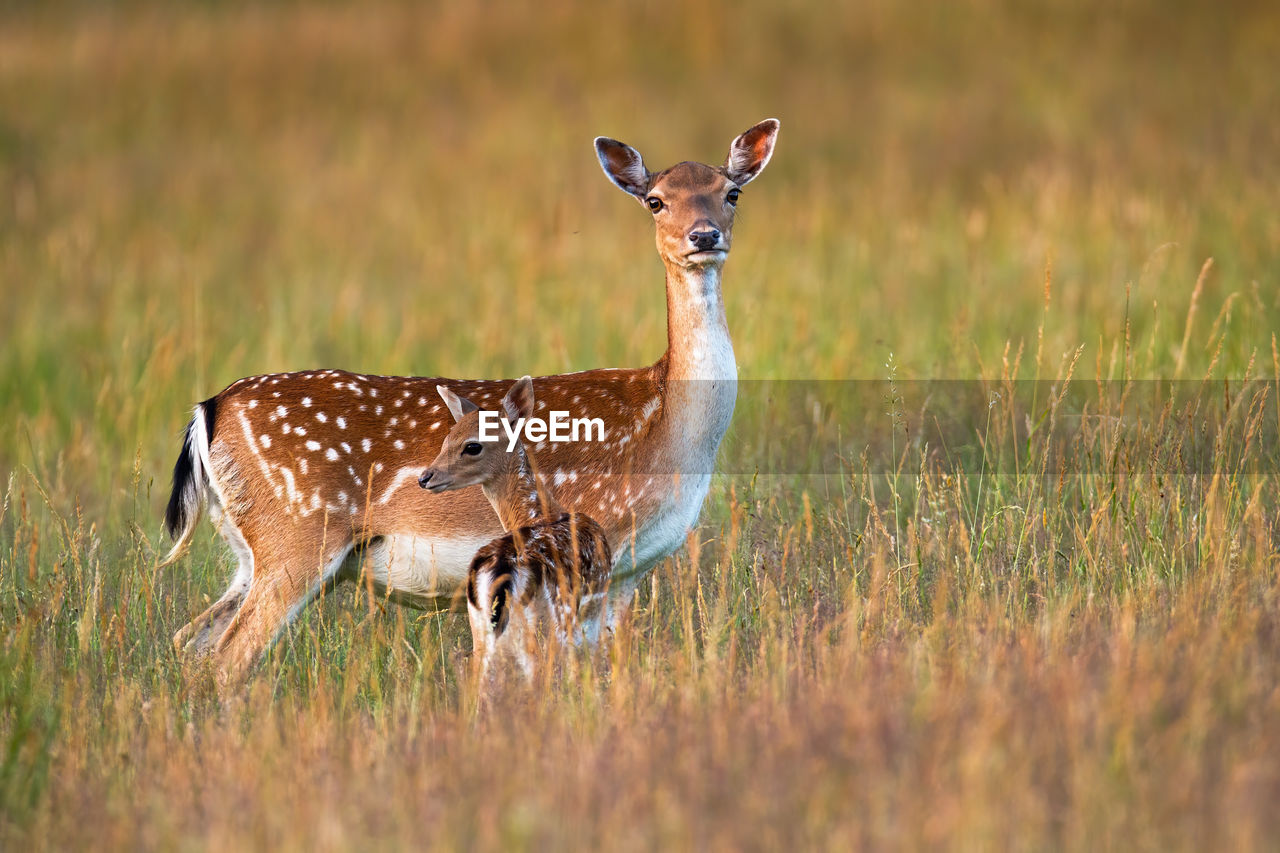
point(472, 448)
point(655, 203)
point(732, 197)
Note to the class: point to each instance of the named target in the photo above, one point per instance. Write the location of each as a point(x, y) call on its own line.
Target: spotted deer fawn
point(311, 477)
point(551, 567)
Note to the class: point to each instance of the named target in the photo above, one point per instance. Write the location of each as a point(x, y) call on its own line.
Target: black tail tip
point(175, 516)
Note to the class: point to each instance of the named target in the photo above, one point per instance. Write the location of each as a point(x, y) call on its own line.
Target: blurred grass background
point(190, 193)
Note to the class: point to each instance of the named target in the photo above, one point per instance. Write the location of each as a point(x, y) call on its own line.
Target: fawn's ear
point(623, 166)
point(458, 406)
point(750, 152)
point(519, 400)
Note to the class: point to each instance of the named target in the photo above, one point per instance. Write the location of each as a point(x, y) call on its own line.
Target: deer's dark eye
point(732, 197)
point(655, 203)
point(472, 448)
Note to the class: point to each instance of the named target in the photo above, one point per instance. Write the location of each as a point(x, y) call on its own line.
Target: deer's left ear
point(750, 152)
point(519, 400)
point(458, 406)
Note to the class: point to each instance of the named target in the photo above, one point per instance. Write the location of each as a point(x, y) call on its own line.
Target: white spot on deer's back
point(289, 484)
point(331, 455)
point(281, 411)
point(341, 422)
point(399, 444)
point(313, 445)
point(306, 401)
point(265, 439)
point(253, 404)
point(346, 448)
point(322, 417)
point(365, 444)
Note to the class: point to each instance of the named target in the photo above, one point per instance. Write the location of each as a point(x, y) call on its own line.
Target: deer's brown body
point(312, 476)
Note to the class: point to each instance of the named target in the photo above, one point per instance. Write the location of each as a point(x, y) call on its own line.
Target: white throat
point(698, 335)
point(702, 374)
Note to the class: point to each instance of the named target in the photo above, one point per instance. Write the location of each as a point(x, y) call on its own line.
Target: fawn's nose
point(425, 478)
point(705, 240)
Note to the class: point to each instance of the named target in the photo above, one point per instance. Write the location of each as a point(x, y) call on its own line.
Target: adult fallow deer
point(312, 477)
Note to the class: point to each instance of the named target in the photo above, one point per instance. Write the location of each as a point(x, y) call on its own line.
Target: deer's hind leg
point(285, 580)
point(198, 637)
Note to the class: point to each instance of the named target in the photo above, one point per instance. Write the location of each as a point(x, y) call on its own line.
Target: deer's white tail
point(190, 493)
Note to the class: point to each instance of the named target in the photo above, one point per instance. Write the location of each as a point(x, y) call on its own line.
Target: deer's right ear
point(458, 406)
point(623, 166)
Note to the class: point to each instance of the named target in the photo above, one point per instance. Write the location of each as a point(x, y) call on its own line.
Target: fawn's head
point(692, 203)
point(464, 460)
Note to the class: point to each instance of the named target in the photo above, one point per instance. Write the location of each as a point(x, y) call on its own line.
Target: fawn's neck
point(516, 496)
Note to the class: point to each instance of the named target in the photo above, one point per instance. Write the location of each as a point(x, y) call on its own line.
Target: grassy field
point(1058, 628)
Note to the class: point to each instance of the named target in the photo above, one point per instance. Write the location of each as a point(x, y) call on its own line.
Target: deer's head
point(692, 203)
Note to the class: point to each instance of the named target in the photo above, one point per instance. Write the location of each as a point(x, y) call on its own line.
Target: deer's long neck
point(698, 345)
point(702, 374)
point(516, 496)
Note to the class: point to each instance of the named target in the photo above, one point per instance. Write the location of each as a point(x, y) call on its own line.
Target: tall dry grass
point(1058, 627)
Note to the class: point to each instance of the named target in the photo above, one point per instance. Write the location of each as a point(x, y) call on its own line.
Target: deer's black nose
point(704, 241)
point(425, 478)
